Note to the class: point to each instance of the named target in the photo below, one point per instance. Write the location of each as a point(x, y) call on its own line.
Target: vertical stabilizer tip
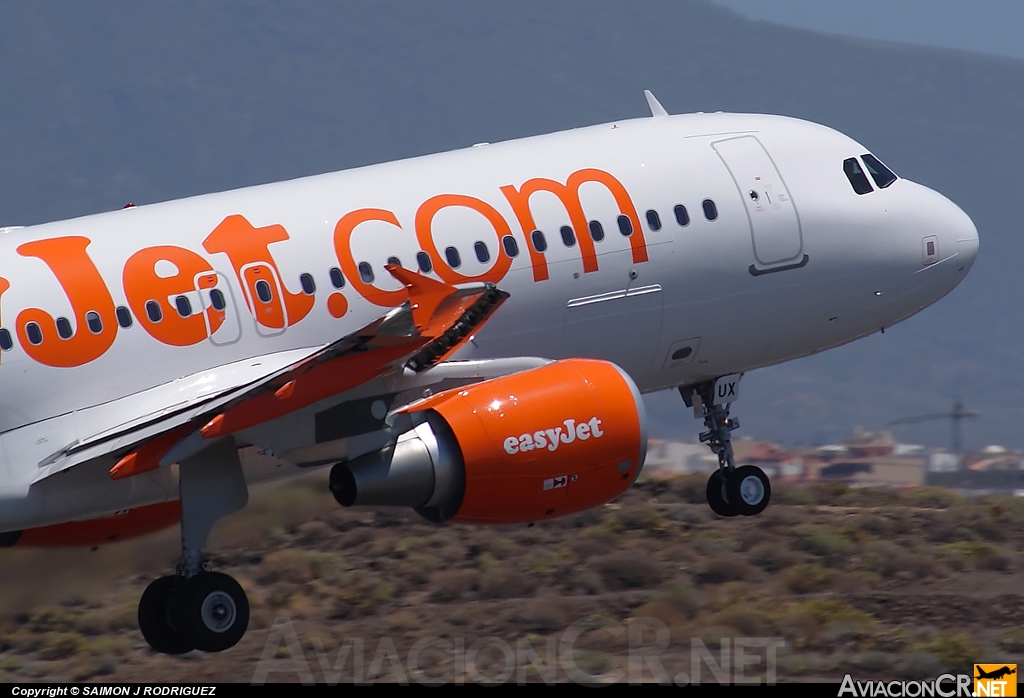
point(654, 104)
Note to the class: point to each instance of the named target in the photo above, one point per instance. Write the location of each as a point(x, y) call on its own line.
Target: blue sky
point(987, 26)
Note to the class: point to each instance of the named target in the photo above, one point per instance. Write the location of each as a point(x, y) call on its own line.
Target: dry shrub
point(956, 651)
point(823, 541)
point(545, 614)
point(748, 620)
point(315, 532)
point(830, 493)
point(505, 584)
point(772, 556)
point(664, 611)
point(874, 524)
point(982, 555)
point(356, 537)
point(61, 646)
point(713, 543)
point(586, 546)
point(807, 578)
point(682, 596)
point(747, 538)
point(890, 560)
point(452, 585)
point(724, 569)
point(692, 488)
point(627, 570)
point(1013, 640)
point(918, 666)
point(640, 518)
point(791, 494)
point(933, 497)
point(300, 566)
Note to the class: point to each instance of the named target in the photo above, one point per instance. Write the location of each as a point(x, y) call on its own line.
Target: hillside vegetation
point(867, 581)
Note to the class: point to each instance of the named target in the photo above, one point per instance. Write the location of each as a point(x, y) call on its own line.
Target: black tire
point(716, 494)
point(211, 610)
point(153, 617)
point(749, 490)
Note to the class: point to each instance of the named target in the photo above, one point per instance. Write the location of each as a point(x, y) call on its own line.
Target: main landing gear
point(731, 490)
point(196, 609)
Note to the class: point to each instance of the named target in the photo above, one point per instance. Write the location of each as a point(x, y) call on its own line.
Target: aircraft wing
point(435, 321)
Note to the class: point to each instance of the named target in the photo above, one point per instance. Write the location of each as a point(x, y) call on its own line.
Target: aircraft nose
point(966, 241)
point(960, 237)
point(948, 236)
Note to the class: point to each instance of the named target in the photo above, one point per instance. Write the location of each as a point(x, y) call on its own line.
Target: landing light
point(878, 293)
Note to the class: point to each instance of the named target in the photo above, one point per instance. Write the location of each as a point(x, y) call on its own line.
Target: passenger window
point(185, 307)
point(365, 272)
point(124, 316)
point(568, 236)
point(337, 278)
point(423, 261)
point(153, 311)
point(395, 260)
point(682, 215)
point(63, 328)
point(710, 210)
point(510, 245)
point(6, 343)
point(882, 175)
point(263, 291)
point(307, 283)
point(625, 226)
point(539, 242)
point(653, 220)
point(596, 231)
point(94, 322)
point(483, 254)
point(858, 180)
point(34, 334)
point(452, 255)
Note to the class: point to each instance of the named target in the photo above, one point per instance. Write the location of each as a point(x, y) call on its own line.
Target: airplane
point(995, 673)
point(467, 334)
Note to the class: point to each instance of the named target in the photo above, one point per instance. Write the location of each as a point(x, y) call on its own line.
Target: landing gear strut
point(196, 608)
point(731, 490)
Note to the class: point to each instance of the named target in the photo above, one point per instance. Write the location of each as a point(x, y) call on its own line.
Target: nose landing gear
point(731, 490)
point(196, 609)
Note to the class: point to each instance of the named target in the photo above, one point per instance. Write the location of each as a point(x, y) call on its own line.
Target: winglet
point(654, 104)
point(425, 294)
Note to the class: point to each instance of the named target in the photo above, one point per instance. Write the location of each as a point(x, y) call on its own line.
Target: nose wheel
point(731, 490)
point(745, 491)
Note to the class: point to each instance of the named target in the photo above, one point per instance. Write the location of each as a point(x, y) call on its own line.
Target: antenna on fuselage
point(655, 106)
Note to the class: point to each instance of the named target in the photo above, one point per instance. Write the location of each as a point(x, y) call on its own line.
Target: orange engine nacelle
point(547, 442)
point(108, 529)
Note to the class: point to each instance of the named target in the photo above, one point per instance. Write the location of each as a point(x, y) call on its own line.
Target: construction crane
point(958, 415)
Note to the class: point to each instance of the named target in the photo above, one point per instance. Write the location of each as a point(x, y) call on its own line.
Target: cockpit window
point(882, 175)
point(856, 175)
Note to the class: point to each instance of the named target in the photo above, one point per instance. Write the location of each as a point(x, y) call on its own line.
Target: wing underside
point(407, 340)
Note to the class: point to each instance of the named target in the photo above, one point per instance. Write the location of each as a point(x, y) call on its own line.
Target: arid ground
point(833, 580)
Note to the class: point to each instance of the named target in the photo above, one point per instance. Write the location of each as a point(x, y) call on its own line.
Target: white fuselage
point(795, 262)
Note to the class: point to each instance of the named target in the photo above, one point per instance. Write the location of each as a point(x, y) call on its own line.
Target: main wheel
point(211, 610)
point(716, 494)
point(153, 617)
point(748, 490)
